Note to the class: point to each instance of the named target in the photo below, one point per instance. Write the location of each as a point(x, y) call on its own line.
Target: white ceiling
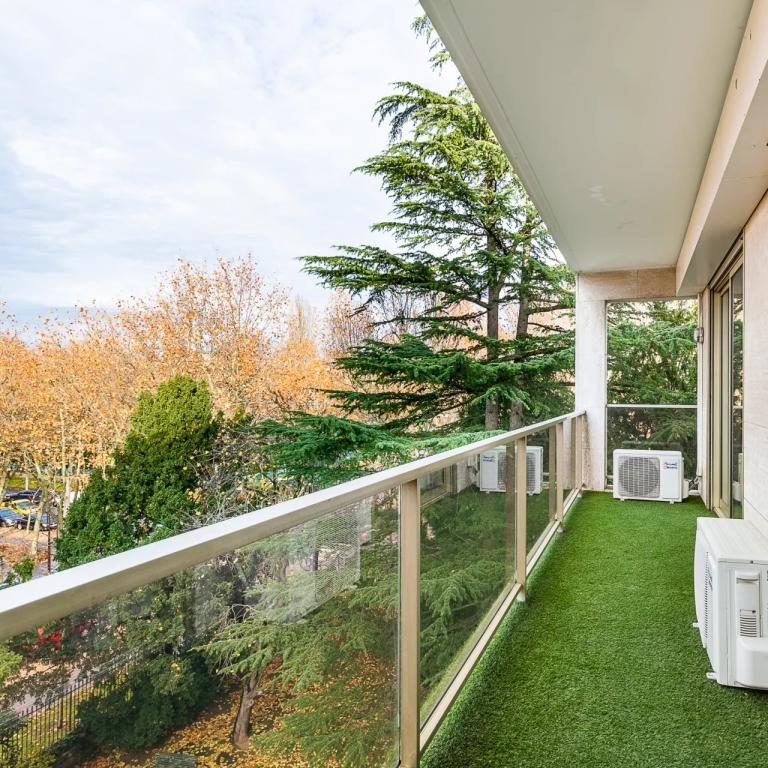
point(607, 109)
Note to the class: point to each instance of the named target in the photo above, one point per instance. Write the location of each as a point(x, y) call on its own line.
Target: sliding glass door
point(728, 391)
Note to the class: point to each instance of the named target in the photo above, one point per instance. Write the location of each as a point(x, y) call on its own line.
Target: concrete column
point(593, 291)
point(591, 375)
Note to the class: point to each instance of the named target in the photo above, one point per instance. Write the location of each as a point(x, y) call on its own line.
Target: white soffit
point(736, 175)
point(607, 109)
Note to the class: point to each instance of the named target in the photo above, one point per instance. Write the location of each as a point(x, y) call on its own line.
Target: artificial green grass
point(601, 667)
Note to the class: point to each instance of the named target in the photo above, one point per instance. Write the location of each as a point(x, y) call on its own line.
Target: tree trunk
point(521, 331)
point(516, 415)
point(65, 498)
point(522, 318)
point(492, 417)
point(36, 529)
point(241, 730)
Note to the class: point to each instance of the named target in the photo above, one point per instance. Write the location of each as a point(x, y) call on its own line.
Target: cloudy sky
point(133, 133)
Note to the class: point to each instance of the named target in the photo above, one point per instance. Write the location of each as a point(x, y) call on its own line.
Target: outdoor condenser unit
point(650, 475)
point(493, 469)
point(731, 593)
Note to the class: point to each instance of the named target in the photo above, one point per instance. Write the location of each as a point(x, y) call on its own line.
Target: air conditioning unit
point(731, 594)
point(649, 475)
point(493, 470)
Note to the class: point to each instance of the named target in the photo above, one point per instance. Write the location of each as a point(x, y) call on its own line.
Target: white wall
point(756, 366)
point(593, 291)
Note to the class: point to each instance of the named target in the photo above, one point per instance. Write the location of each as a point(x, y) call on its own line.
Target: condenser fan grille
point(530, 473)
point(640, 476)
point(501, 477)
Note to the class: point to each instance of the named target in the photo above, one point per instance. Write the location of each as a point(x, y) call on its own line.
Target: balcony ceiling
point(607, 109)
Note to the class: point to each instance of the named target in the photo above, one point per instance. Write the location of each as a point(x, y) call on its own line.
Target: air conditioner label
point(670, 464)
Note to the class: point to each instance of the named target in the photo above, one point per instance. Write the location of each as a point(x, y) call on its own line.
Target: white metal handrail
point(41, 601)
point(652, 406)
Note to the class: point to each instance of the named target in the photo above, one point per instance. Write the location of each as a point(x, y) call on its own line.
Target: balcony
point(469, 608)
point(407, 574)
point(377, 602)
point(602, 666)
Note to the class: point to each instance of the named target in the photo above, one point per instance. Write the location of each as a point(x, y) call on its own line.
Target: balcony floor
point(602, 668)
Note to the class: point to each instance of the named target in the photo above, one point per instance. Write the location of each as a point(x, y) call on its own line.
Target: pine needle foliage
point(147, 492)
point(474, 255)
point(652, 352)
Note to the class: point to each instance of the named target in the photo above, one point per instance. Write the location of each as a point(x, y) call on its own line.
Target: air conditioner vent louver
point(748, 623)
point(639, 476)
point(707, 602)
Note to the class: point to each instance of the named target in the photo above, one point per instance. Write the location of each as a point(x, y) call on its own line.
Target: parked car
point(47, 523)
point(10, 518)
point(31, 495)
point(26, 510)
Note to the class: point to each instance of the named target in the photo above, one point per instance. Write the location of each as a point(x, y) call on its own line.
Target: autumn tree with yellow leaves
point(68, 386)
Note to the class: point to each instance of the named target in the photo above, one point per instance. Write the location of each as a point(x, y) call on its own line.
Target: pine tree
point(652, 352)
point(652, 359)
point(488, 344)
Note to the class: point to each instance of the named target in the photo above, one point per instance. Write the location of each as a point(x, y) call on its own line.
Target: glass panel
point(434, 485)
point(569, 457)
point(725, 406)
point(652, 354)
point(737, 392)
point(541, 488)
point(652, 360)
point(290, 645)
point(667, 429)
point(467, 564)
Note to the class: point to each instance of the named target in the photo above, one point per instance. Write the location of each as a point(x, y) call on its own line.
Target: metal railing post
point(410, 551)
point(521, 472)
point(560, 472)
point(553, 474)
point(510, 511)
point(578, 460)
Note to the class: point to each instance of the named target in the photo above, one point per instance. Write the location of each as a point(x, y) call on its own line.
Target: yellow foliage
point(69, 387)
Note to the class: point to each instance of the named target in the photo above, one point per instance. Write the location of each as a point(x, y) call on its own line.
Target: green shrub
point(158, 696)
point(72, 750)
point(10, 724)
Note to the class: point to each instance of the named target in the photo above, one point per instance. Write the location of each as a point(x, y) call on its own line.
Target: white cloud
point(135, 132)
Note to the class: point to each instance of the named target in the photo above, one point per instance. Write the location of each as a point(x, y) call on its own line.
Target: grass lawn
point(601, 667)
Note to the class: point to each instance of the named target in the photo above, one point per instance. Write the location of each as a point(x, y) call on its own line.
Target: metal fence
point(30, 730)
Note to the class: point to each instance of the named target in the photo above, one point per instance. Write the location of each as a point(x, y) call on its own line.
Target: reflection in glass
point(737, 392)
point(288, 646)
point(467, 537)
point(541, 486)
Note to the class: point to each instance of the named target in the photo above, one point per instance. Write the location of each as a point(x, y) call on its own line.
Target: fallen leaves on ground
point(208, 739)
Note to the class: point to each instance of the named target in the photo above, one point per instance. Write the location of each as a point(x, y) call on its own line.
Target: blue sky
point(133, 133)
